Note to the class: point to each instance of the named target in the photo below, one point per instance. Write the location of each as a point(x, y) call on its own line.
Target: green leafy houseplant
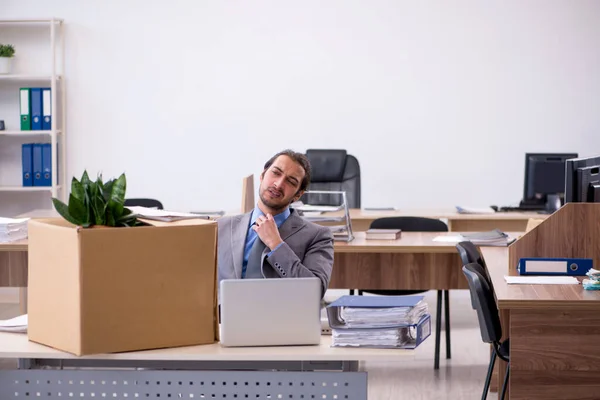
point(97, 203)
point(7, 50)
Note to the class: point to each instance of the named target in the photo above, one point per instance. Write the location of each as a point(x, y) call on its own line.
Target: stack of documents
point(490, 238)
point(163, 215)
point(379, 321)
point(12, 229)
point(17, 324)
point(593, 283)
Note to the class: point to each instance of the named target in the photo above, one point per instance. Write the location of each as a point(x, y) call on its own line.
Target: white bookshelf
point(49, 50)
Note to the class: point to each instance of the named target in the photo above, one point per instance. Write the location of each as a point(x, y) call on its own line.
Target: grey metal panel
point(165, 384)
point(194, 365)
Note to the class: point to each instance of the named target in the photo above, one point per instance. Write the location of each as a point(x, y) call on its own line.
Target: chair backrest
point(410, 224)
point(333, 170)
point(469, 253)
point(144, 203)
point(485, 305)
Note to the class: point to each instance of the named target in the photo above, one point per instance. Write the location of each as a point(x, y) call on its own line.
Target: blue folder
point(554, 266)
point(46, 109)
point(36, 109)
point(37, 164)
point(46, 165)
point(27, 159)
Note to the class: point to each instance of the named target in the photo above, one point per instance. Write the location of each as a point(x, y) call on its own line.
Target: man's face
point(279, 183)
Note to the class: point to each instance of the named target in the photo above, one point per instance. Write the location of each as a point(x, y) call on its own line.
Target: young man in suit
point(273, 241)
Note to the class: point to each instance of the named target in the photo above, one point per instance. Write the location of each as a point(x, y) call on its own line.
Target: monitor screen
point(582, 181)
point(544, 175)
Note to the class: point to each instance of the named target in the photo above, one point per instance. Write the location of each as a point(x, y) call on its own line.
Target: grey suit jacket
point(307, 250)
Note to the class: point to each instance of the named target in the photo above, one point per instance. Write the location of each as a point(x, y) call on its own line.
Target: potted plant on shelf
point(7, 52)
point(97, 203)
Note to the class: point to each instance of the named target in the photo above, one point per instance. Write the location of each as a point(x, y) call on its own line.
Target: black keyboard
point(523, 208)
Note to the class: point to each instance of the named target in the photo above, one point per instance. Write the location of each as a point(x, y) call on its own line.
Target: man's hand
point(266, 229)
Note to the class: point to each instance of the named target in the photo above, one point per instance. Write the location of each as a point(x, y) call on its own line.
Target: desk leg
point(23, 300)
point(501, 364)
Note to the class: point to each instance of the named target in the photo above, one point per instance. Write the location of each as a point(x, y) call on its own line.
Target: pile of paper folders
point(379, 321)
point(12, 229)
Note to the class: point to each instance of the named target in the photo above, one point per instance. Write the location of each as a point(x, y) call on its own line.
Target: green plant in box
point(97, 203)
point(7, 50)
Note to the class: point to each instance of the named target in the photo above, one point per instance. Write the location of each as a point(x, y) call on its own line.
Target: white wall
point(439, 100)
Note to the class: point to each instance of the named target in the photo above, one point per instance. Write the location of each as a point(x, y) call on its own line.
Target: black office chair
point(419, 224)
point(333, 170)
point(469, 253)
point(150, 203)
point(489, 322)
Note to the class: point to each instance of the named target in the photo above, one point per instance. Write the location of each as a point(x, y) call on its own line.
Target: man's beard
point(271, 204)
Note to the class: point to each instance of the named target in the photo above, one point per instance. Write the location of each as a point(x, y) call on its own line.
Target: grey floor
point(461, 377)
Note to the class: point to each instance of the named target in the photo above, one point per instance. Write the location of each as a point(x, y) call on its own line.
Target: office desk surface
point(408, 242)
point(20, 245)
point(16, 345)
point(534, 296)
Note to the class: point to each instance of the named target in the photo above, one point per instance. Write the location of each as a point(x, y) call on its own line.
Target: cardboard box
point(104, 290)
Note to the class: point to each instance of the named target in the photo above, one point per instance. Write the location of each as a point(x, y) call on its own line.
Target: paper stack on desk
point(379, 321)
point(13, 229)
point(162, 215)
point(17, 324)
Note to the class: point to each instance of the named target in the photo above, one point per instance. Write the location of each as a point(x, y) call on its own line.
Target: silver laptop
point(270, 312)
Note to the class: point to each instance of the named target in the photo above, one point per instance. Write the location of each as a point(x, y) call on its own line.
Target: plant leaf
point(97, 204)
point(78, 210)
point(110, 219)
point(85, 179)
point(116, 202)
point(108, 189)
point(63, 210)
point(77, 190)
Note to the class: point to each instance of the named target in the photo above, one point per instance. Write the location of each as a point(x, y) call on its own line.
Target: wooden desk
point(209, 371)
point(506, 221)
point(554, 335)
point(414, 261)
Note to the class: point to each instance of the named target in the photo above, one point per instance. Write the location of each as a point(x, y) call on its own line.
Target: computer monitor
point(544, 180)
point(582, 182)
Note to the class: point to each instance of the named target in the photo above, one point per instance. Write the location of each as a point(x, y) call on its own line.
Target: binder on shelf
point(46, 109)
point(36, 109)
point(46, 165)
point(27, 160)
point(555, 266)
point(37, 164)
point(25, 107)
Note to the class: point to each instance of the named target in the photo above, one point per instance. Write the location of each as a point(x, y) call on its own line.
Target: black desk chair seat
point(149, 203)
point(489, 321)
point(419, 224)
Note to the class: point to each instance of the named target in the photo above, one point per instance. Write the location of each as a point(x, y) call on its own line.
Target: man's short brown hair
point(299, 158)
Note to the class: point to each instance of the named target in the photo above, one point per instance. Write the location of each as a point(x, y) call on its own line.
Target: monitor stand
point(553, 203)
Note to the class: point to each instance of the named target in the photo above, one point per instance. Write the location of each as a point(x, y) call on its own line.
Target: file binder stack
point(12, 230)
point(36, 109)
point(37, 164)
point(400, 322)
